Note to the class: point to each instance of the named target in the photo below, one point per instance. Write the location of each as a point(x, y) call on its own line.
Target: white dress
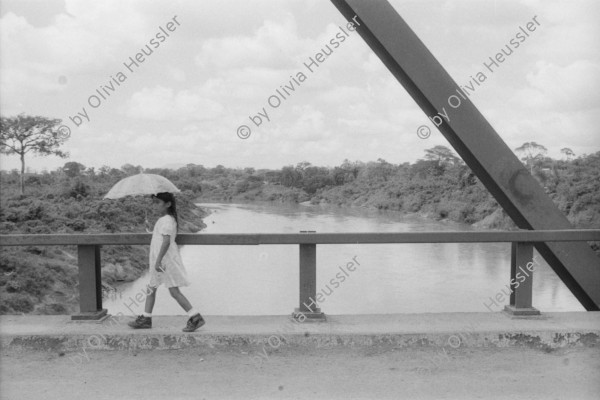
point(175, 274)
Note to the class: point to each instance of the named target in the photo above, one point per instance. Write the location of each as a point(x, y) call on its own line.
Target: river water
point(384, 278)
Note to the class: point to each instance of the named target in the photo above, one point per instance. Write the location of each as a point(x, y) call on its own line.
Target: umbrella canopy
point(141, 184)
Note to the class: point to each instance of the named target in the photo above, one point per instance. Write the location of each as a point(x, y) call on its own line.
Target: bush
point(16, 303)
point(78, 190)
point(78, 225)
point(241, 186)
point(55, 309)
point(33, 180)
point(7, 227)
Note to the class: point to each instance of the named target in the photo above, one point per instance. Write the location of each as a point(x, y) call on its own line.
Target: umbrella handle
point(146, 222)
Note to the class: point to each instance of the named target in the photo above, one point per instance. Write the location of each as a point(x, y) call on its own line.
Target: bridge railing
point(90, 273)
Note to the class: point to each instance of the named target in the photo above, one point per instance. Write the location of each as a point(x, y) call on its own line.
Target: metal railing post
point(308, 285)
point(90, 283)
point(521, 280)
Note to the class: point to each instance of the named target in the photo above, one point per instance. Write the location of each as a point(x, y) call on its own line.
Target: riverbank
point(440, 187)
point(44, 279)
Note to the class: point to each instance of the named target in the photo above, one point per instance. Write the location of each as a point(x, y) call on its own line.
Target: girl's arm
point(163, 250)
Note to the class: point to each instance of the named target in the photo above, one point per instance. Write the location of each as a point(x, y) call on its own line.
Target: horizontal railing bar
point(528, 236)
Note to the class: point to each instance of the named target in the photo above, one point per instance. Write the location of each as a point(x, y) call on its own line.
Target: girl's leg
point(196, 320)
point(181, 299)
point(144, 321)
point(150, 299)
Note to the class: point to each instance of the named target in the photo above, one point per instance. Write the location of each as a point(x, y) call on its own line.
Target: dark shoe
point(195, 322)
point(141, 322)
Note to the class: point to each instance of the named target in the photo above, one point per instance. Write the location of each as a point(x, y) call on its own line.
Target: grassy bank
point(44, 279)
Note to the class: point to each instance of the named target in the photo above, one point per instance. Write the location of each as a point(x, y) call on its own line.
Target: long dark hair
point(168, 197)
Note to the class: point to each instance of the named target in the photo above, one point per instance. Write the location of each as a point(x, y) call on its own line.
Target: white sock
point(192, 312)
point(145, 314)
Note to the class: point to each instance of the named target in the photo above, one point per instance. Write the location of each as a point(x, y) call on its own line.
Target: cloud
point(564, 88)
point(274, 45)
point(176, 74)
point(165, 104)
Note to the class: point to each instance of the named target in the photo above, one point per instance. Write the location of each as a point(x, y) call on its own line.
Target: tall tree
point(24, 133)
point(73, 169)
point(442, 155)
point(568, 153)
point(352, 167)
point(531, 151)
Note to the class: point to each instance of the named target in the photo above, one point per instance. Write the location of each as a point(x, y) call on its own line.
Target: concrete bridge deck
point(408, 356)
point(454, 330)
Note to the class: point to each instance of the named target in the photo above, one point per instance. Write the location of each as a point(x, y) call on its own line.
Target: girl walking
point(166, 266)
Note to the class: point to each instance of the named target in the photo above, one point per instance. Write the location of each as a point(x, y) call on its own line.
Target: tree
point(104, 170)
point(425, 168)
point(273, 177)
point(338, 175)
point(73, 169)
point(91, 172)
point(24, 133)
point(568, 153)
point(315, 178)
point(129, 169)
point(352, 168)
point(442, 155)
point(530, 152)
point(301, 166)
point(290, 177)
point(219, 170)
point(195, 170)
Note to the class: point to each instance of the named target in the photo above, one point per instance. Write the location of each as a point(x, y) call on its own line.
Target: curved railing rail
point(89, 261)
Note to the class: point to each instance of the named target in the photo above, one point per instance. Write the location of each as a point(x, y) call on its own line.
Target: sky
point(224, 61)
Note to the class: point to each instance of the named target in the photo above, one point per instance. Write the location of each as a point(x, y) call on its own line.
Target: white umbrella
point(141, 184)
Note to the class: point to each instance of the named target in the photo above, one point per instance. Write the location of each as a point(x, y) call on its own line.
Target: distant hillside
point(440, 187)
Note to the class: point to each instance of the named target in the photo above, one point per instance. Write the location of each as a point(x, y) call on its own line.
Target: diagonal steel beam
point(474, 139)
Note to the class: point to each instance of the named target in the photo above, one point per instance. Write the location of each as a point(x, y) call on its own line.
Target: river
point(388, 278)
